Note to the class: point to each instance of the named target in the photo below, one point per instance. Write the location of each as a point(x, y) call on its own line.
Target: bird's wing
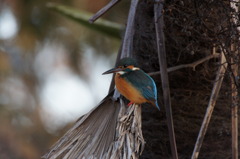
point(144, 83)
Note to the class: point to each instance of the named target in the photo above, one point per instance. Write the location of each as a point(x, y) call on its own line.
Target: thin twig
point(158, 18)
point(192, 65)
point(103, 10)
point(211, 105)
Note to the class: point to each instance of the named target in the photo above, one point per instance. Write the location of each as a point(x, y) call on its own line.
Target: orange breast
point(128, 91)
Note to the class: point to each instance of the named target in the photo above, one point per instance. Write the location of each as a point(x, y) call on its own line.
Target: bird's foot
point(130, 103)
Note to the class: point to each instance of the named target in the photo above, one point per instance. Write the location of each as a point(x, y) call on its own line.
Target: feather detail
point(137, 86)
point(110, 131)
point(128, 91)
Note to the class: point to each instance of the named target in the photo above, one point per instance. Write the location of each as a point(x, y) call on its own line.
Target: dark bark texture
point(191, 31)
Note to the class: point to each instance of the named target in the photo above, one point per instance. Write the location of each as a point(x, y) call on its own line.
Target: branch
point(158, 18)
point(128, 38)
point(127, 44)
point(235, 102)
point(103, 10)
point(193, 65)
point(226, 52)
point(234, 110)
point(211, 105)
point(235, 85)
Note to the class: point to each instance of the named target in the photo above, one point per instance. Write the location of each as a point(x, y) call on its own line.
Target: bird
point(133, 83)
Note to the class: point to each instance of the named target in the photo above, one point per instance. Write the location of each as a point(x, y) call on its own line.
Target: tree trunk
point(190, 89)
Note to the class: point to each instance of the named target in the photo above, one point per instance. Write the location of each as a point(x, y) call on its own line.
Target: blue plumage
point(144, 83)
point(133, 83)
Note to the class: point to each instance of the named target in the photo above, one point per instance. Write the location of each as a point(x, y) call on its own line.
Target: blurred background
point(50, 71)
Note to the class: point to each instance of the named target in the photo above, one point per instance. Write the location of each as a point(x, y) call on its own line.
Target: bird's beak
point(113, 70)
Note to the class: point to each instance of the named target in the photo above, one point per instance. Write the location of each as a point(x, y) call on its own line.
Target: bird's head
point(125, 65)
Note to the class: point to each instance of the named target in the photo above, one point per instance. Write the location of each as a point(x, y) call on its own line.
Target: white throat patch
point(121, 72)
point(135, 68)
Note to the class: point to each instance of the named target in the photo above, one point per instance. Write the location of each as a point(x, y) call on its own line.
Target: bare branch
point(234, 110)
point(235, 103)
point(192, 65)
point(158, 18)
point(235, 85)
point(103, 10)
point(211, 105)
point(128, 38)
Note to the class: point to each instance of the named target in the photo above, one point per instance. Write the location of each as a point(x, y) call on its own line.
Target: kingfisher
point(133, 83)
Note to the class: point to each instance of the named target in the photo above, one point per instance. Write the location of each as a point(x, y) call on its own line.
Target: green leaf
point(104, 26)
